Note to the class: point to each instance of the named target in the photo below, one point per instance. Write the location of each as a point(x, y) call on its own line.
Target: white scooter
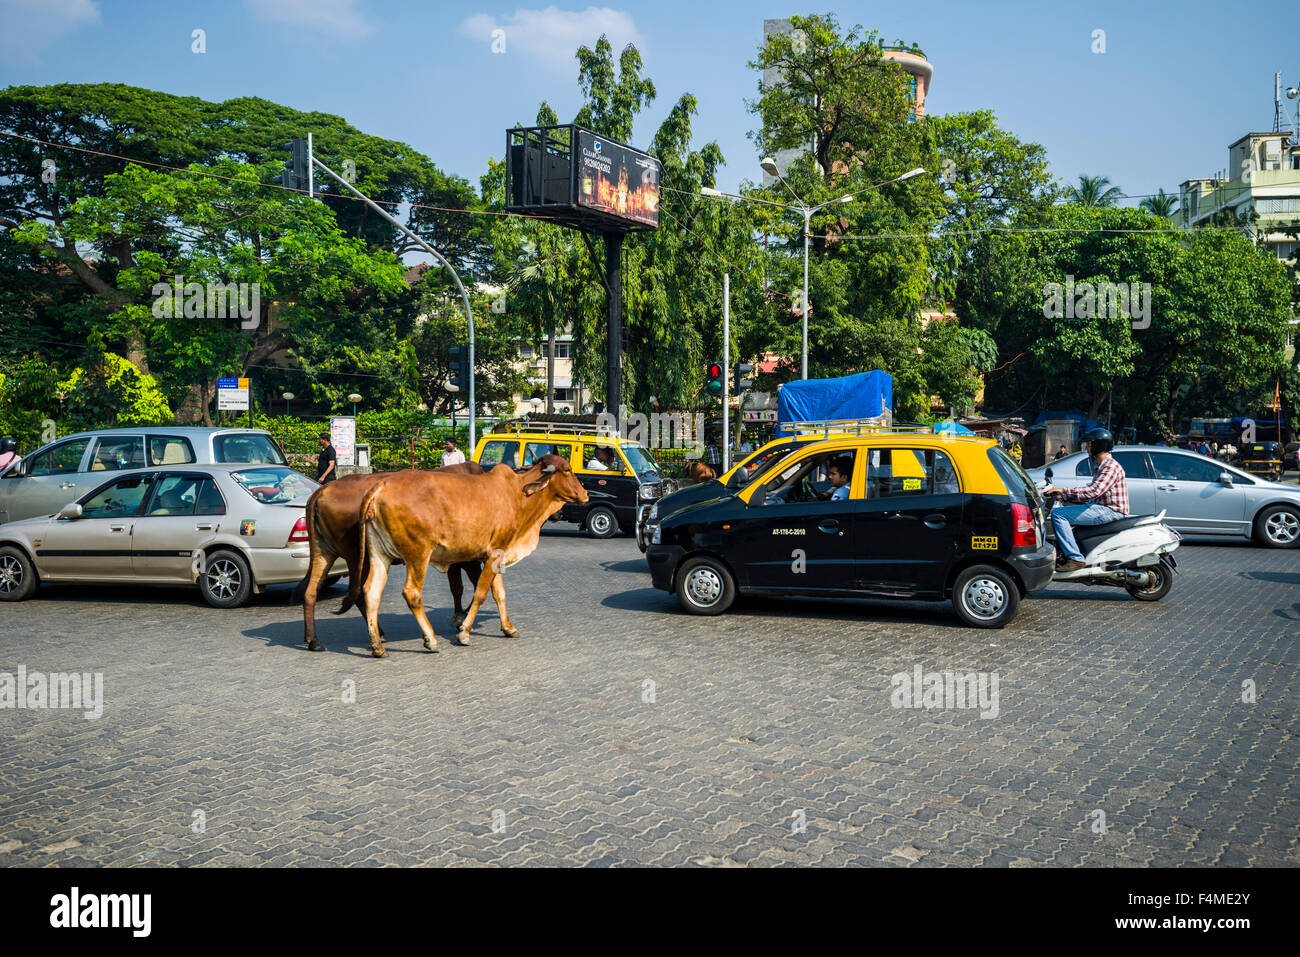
point(1134, 553)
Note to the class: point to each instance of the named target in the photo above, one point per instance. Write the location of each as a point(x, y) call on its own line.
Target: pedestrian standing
point(326, 460)
point(452, 455)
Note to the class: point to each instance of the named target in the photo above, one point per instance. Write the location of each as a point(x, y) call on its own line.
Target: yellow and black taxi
point(745, 470)
point(619, 474)
point(1262, 458)
point(903, 515)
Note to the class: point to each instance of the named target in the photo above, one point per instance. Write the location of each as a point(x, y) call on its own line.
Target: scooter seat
point(1084, 535)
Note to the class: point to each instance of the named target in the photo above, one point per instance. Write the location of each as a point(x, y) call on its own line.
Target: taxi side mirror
point(70, 511)
point(740, 479)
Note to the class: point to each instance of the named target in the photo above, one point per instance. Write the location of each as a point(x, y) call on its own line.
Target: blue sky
point(1177, 83)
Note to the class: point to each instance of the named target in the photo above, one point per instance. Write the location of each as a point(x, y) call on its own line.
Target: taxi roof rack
point(556, 425)
point(876, 425)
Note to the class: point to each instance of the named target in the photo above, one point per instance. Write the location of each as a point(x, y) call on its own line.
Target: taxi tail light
point(299, 533)
point(1024, 532)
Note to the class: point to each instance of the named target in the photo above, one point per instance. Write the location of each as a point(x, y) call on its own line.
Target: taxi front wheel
point(985, 597)
point(705, 587)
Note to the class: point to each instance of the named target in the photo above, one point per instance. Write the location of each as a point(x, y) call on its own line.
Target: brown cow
point(699, 472)
point(425, 518)
point(332, 528)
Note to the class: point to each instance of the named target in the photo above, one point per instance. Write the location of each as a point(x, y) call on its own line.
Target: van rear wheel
point(985, 597)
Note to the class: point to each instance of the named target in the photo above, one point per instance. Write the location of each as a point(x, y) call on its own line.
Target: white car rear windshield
point(275, 485)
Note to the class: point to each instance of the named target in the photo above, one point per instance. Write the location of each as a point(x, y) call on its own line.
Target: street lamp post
point(354, 398)
point(288, 397)
point(769, 166)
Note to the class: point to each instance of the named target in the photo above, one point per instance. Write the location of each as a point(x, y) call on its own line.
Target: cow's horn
point(550, 467)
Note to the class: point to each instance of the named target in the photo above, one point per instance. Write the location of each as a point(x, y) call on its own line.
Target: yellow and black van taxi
point(618, 474)
point(745, 470)
point(904, 515)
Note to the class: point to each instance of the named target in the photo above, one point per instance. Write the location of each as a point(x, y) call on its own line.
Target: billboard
point(617, 180)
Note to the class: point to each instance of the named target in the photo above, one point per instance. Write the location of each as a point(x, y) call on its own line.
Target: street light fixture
point(769, 166)
point(354, 398)
point(288, 397)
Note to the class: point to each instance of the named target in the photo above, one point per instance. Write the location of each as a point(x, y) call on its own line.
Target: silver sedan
point(1200, 496)
point(230, 529)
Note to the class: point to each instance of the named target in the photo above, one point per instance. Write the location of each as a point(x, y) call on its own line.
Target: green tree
point(1161, 204)
point(1093, 191)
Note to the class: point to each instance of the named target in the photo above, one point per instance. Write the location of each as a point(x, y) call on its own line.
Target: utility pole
point(726, 364)
point(614, 347)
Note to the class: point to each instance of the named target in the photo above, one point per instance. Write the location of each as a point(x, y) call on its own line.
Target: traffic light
point(713, 382)
point(743, 369)
point(458, 359)
point(297, 170)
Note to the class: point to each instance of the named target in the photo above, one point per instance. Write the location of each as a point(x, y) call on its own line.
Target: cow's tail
point(301, 589)
point(366, 513)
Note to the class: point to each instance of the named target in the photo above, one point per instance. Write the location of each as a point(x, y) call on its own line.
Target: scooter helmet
point(8, 444)
point(1099, 440)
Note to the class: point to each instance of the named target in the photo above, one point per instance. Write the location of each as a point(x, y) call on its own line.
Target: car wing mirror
point(1225, 478)
point(1048, 475)
point(70, 511)
point(740, 479)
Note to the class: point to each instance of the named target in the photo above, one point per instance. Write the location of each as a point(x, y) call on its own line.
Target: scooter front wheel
point(1161, 580)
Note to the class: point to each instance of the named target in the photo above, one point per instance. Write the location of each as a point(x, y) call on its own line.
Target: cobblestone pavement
point(618, 730)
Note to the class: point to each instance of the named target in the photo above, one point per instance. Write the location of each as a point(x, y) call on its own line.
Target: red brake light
point(1023, 526)
point(299, 533)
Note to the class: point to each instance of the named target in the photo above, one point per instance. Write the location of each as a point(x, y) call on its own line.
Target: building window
point(564, 395)
point(525, 349)
point(561, 350)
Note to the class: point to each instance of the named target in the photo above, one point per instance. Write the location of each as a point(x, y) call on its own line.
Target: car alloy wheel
point(18, 579)
point(224, 579)
point(1280, 528)
point(227, 581)
point(11, 574)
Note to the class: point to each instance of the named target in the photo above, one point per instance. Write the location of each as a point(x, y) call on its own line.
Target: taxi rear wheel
point(985, 597)
point(705, 587)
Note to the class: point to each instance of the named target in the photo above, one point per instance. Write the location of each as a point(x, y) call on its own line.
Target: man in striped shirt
point(1105, 499)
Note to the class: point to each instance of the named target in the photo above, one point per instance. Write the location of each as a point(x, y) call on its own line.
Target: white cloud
point(552, 36)
point(30, 25)
point(337, 18)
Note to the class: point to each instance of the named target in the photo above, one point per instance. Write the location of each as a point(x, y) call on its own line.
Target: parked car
point(1200, 496)
point(230, 529)
point(58, 473)
point(1291, 457)
point(926, 517)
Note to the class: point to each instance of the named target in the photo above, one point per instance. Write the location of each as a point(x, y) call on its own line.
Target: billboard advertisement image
point(616, 180)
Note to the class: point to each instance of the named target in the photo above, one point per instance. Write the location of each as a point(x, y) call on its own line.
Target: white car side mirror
point(1225, 478)
point(70, 511)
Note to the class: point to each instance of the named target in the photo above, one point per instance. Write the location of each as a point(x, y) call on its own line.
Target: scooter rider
point(1106, 498)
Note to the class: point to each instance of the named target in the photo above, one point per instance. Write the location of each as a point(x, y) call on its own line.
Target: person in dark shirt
point(326, 461)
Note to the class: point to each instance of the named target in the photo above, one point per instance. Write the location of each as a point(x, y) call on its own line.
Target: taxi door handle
point(829, 525)
point(935, 520)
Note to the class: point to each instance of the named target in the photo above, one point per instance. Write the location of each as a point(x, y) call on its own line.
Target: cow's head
point(553, 471)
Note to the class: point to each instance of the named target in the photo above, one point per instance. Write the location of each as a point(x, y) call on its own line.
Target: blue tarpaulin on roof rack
point(864, 395)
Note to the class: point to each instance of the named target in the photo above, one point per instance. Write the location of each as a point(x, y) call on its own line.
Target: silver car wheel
point(1282, 528)
point(224, 579)
point(11, 574)
point(704, 586)
point(984, 597)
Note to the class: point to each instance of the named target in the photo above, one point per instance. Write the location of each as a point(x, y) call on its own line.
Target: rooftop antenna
point(1278, 112)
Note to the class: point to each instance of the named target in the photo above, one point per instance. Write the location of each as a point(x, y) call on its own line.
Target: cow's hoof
point(457, 621)
point(315, 646)
point(431, 646)
point(462, 639)
point(379, 653)
point(510, 632)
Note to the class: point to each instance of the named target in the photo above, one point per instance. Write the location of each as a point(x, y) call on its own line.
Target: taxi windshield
point(763, 466)
point(275, 485)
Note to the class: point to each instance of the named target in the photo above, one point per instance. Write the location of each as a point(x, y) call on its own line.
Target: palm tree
point(1162, 204)
point(1093, 191)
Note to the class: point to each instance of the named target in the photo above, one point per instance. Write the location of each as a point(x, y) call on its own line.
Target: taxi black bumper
point(1035, 568)
point(663, 561)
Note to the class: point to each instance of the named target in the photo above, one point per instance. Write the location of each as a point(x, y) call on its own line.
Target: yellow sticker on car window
point(984, 542)
point(911, 484)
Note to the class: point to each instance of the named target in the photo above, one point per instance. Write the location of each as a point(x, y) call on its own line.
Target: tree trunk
point(550, 368)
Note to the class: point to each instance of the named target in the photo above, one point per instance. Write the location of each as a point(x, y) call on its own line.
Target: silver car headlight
point(650, 491)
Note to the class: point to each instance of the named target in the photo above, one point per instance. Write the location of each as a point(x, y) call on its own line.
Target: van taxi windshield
point(640, 460)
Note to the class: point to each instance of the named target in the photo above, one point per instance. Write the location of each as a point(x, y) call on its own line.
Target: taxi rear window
point(1019, 485)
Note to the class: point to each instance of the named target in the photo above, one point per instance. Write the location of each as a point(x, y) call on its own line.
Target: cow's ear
point(532, 488)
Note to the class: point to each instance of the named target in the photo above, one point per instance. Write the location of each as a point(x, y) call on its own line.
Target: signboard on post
point(232, 395)
point(343, 436)
point(617, 179)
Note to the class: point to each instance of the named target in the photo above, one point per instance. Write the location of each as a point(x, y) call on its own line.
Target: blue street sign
point(227, 383)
